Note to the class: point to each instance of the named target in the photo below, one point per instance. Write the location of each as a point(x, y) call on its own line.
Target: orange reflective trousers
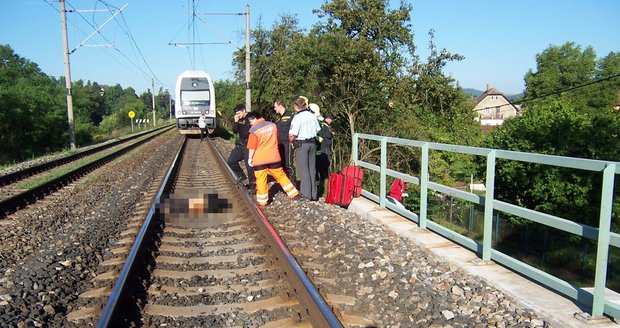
point(262, 188)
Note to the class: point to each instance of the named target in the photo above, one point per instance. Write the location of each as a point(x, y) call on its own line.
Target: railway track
point(23, 187)
point(63, 260)
point(210, 259)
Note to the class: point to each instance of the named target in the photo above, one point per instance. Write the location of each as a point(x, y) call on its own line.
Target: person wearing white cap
point(316, 110)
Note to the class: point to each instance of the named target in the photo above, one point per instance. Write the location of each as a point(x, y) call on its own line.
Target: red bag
point(340, 189)
point(357, 174)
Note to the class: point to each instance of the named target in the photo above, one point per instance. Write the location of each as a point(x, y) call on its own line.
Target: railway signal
point(131, 115)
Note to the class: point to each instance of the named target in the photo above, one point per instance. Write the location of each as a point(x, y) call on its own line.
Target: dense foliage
point(359, 64)
point(33, 112)
point(580, 122)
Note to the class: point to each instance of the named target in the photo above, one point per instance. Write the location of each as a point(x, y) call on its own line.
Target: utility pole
point(248, 98)
point(153, 97)
point(65, 42)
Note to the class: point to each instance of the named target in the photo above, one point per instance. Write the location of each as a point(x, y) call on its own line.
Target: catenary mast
point(65, 41)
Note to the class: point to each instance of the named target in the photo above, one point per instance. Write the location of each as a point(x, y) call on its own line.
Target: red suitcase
point(357, 174)
point(340, 189)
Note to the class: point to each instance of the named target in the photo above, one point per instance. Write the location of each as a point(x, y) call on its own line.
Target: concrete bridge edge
point(556, 309)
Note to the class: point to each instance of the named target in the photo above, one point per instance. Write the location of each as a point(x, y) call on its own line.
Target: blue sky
point(499, 39)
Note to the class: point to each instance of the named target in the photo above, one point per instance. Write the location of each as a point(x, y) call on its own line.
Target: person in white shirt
point(302, 134)
point(202, 124)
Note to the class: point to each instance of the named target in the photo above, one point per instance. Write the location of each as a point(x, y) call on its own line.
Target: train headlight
point(183, 112)
point(195, 84)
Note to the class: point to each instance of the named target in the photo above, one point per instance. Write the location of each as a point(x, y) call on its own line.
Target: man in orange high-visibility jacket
point(265, 158)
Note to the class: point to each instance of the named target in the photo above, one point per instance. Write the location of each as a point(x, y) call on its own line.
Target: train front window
point(196, 98)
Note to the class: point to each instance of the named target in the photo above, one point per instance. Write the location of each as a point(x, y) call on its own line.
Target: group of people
point(267, 149)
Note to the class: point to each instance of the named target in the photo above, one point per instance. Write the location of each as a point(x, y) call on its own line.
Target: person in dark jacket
point(283, 122)
point(241, 126)
point(323, 159)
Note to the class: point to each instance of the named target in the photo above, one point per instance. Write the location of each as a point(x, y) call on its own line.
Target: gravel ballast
point(395, 283)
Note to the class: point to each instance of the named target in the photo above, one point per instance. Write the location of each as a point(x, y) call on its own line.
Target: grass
point(55, 173)
point(65, 151)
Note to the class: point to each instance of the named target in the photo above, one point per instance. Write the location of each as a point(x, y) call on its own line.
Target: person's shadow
point(221, 132)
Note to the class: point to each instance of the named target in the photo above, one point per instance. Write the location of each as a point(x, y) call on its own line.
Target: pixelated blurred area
point(198, 208)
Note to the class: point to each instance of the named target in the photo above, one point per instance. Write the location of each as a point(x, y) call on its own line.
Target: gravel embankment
point(50, 251)
point(394, 281)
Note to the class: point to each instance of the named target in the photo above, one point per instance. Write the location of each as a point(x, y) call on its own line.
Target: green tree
point(278, 63)
point(388, 29)
point(359, 65)
point(569, 73)
point(164, 104)
point(357, 57)
point(228, 94)
point(32, 121)
point(112, 97)
point(576, 123)
point(559, 67)
point(607, 92)
point(147, 100)
point(567, 193)
point(88, 109)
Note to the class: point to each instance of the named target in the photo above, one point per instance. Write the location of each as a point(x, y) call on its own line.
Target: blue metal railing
point(603, 235)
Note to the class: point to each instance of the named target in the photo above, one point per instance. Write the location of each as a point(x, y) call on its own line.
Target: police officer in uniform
point(283, 122)
point(240, 152)
point(302, 134)
point(323, 159)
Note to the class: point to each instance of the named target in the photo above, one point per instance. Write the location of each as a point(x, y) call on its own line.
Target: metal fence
point(602, 235)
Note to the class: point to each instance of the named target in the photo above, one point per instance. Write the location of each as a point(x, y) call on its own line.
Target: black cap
point(253, 115)
point(239, 107)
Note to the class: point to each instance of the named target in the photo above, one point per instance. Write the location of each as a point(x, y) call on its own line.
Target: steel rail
point(30, 196)
point(319, 312)
point(22, 174)
point(113, 314)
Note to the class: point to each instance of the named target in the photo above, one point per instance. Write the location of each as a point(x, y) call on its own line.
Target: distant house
point(492, 108)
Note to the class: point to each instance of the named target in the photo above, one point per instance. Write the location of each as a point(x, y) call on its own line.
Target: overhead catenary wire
point(125, 28)
point(77, 28)
point(95, 27)
point(216, 31)
point(136, 65)
point(555, 93)
point(193, 36)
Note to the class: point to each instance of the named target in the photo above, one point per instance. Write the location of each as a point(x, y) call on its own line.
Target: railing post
point(488, 207)
point(355, 150)
point(424, 187)
point(383, 184)
point(602, 248)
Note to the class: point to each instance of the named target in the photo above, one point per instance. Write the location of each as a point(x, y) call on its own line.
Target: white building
point(492, 108)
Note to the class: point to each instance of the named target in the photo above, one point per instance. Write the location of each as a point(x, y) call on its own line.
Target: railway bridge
point(443, 262)
point(554, 295)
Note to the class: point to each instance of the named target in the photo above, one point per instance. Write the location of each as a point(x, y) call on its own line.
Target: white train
point(195, 96)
